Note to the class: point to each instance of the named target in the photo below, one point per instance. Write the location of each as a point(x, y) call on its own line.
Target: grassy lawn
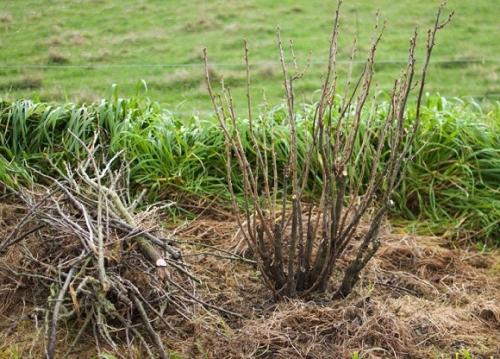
point(43, 45)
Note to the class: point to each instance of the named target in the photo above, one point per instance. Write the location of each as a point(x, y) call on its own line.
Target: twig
point(149, 328)
point(51, 338)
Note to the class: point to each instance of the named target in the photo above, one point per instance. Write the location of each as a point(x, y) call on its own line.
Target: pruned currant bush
point(298, 242)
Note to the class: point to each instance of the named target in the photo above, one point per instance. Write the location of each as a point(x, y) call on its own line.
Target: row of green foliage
point(451, 185)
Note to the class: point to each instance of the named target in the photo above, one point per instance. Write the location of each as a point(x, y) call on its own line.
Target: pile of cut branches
point(101, 265)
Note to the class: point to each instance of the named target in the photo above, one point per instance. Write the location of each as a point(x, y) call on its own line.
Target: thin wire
point(221, 65)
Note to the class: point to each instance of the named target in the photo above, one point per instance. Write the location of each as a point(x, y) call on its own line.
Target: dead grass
point(5, 20)
point(417, 299)
point(56, 57)
point(68, 38)
point(30, 81)
point(204, 22)
point(85, 96)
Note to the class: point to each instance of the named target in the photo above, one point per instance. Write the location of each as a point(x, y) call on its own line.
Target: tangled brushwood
point(298, 242)
point(103, 266)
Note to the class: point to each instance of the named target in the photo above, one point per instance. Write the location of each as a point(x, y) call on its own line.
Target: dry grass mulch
point(418, 298)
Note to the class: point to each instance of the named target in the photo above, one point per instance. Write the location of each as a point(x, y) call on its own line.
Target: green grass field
point(75, 50)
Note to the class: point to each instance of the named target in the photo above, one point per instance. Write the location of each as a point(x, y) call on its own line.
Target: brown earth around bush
point(418, 298)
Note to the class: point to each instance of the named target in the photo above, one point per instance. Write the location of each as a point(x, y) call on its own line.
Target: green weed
point(451, 185)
